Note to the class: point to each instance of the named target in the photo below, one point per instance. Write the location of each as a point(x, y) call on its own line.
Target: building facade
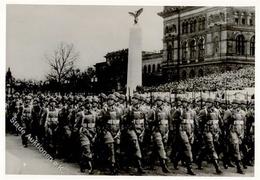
point(202, 40)
point(112, 74)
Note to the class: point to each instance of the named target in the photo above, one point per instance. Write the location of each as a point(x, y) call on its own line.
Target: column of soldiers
point(138, 131)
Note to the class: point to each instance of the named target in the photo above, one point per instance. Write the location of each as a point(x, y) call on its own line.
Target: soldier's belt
point(53, 120)
point(238, 122)
point(113, 121)
point(91, 125)
point(187, 121)
point(139, 121)
point(27, 114)
point(211, 122)
point(163, 122)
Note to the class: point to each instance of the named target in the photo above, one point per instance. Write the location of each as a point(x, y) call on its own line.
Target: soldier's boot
point(139, 167)
point(113, 169)
point(164, 166)
point(230, 164)
point(152, 162)
point(82, 168)
point(250, 163)
point(175, 164)
point(244, 163)
point(225, 164)
point(189, 169)
point(199, 163)
point(90, 167)
point(215, 163)
point(176, 161)
point(24, 141)
point(239, 169)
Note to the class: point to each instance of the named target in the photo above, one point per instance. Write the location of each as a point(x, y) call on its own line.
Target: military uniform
point(236, 124)
point(26, 120)
point(250, 135)
point(184, 118)
point(87, 135)
point(209, 118)
point(135, 129)
point(36, 115)
point(160, 132)
point(51, 127)
point(110, 118)
point(65, 132)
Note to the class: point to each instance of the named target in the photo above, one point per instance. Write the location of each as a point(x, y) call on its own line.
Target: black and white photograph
point(130, 90)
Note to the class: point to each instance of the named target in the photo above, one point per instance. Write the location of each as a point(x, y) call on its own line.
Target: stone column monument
point(134, 68)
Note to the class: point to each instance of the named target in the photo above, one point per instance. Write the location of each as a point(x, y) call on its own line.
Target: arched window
point(251, 22)
point(153, 68)
point(186, 27)
point(240, 45)
point(252, 46)
point(200, 73)
point(192, 74)
point(184, 52)
point(166, 30)
point(169, 53)
point(195, 25)
point(173, 28)
point(145, 69)
point(216, 45)
point(158, 67)
point(184, 75)
point(183, 27)
point(192, 50)
point(203, 23)
point(191, 26)
point(149, 68)
point(201, 46)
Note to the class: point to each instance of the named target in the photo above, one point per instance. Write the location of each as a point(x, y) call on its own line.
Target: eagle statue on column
point(136, 14)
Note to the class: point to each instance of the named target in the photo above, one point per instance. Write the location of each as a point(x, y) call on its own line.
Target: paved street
point(20, 160)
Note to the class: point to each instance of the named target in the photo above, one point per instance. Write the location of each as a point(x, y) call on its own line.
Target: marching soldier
point(223, 138)
point(51, 127)
point(26, 120)
point(185, 118)
point(36, 115)
point(87, 135)
point(250, 134)
point(65, 127)
point(160, 130)
point(236, 125)
point(209, 119)
point(244, 147)
point(174, 128)
point(74, 112)
point(110, 119)
point(135, 125)
point(146, 145)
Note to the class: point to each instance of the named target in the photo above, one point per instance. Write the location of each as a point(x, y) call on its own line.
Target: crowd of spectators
point(230, 80)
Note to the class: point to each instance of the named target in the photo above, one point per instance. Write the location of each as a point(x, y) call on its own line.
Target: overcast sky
point(35, 30)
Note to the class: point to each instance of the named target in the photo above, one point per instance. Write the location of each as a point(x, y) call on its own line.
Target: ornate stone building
point(112, 74)
point(201, 40)
point(152, 71)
